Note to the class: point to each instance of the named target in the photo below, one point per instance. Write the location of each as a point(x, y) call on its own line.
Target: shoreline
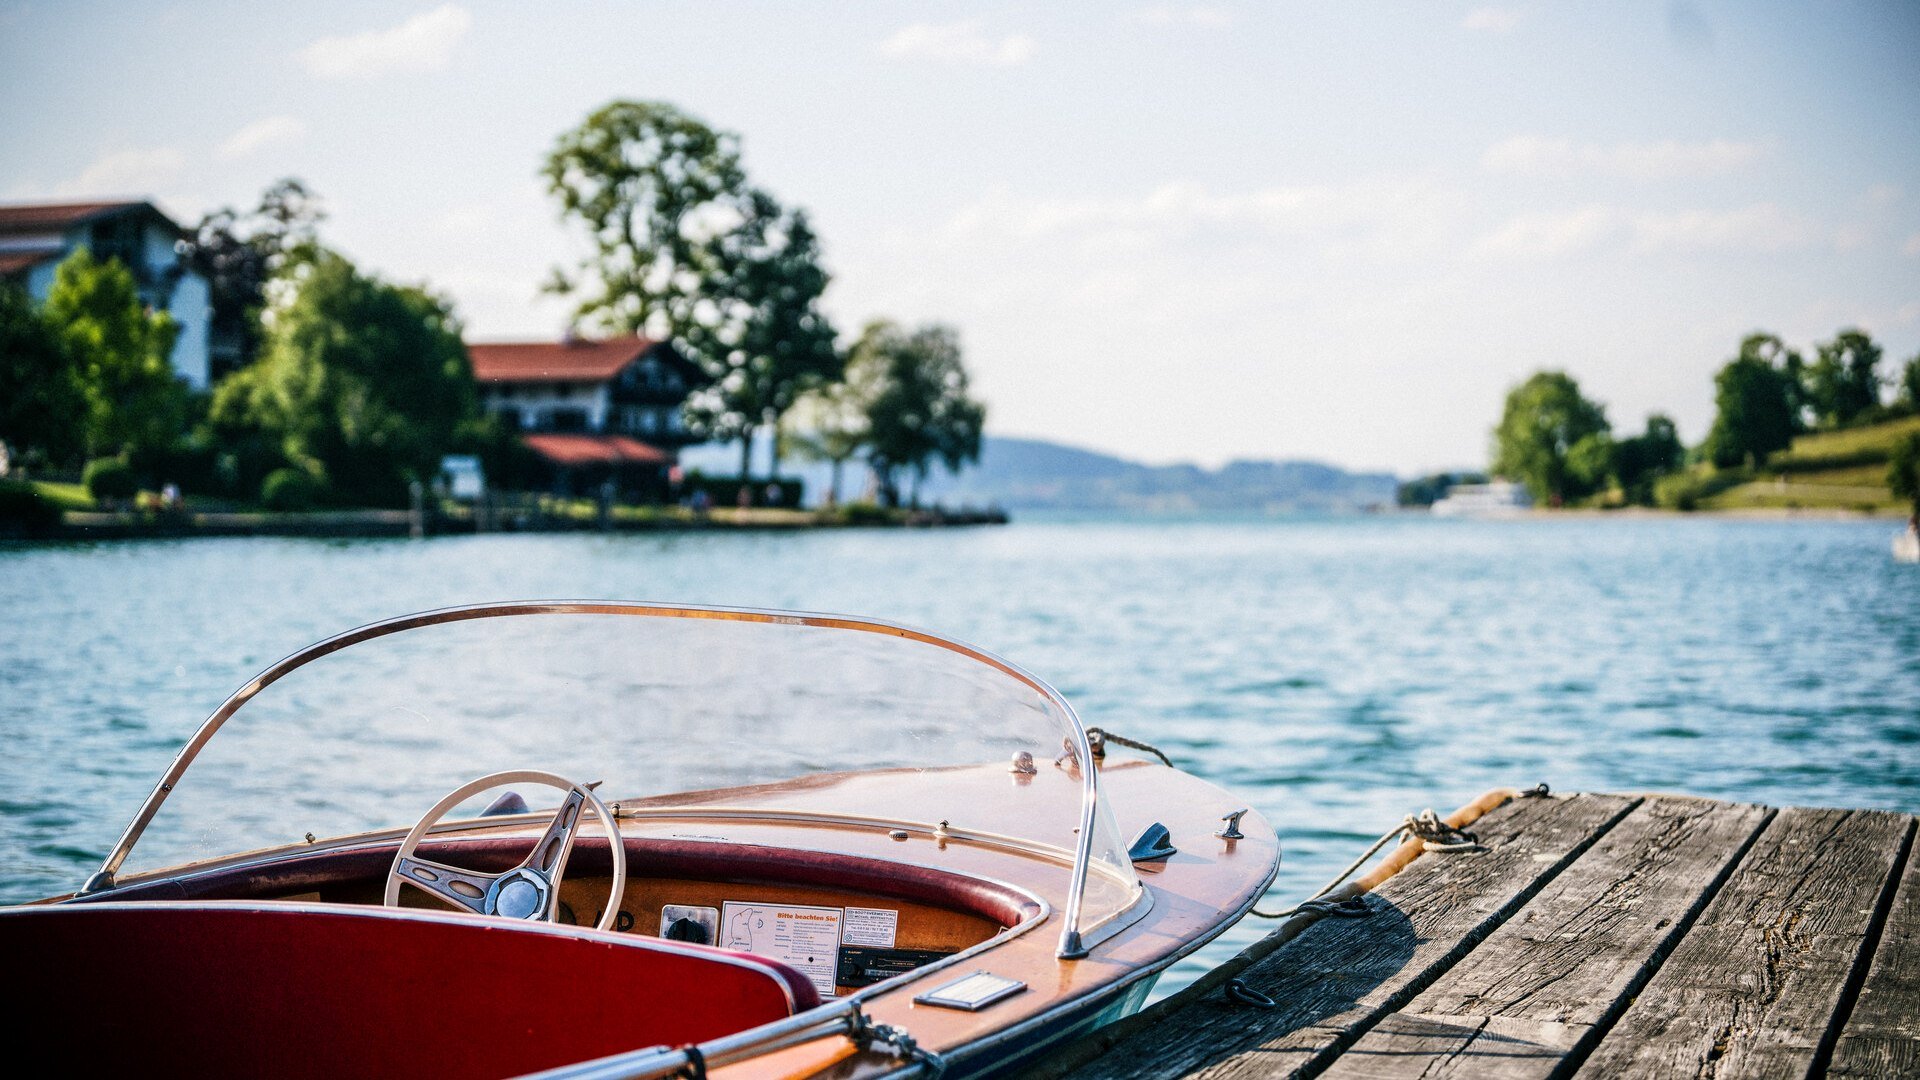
point(377, 524)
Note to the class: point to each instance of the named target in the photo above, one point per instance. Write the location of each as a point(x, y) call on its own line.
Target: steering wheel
point(530, 890)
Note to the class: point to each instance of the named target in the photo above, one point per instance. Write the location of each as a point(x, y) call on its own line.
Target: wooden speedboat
point(674, 841)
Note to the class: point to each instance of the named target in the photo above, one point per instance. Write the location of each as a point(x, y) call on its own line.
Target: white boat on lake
point(1501, 498)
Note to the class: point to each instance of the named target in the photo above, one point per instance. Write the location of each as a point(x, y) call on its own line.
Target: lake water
point(1337, 673)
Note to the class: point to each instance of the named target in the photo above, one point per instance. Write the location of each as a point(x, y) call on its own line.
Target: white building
point(592, 410)
point(35, 237)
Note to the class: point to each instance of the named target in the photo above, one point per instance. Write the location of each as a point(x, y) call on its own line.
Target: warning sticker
point(806, 938)
point(870, 926)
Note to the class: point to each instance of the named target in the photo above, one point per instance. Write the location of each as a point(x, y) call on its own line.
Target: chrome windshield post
point(1071, 945)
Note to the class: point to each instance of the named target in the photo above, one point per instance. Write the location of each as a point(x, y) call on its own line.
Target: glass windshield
point(663, 706)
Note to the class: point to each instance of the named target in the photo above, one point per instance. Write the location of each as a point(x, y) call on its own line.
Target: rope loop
point(1436, 835)
point(696, 1066)
point(1353, 907)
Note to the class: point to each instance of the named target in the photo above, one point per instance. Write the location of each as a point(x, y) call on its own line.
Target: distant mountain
point(1035, 474)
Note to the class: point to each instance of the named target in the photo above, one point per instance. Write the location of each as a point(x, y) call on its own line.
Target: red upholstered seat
point(252, 989)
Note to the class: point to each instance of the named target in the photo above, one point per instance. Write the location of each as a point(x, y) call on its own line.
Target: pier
point(1588, 935)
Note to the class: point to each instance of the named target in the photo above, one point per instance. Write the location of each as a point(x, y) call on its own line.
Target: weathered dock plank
point(1757, 982)
point(1341, 976)
point(1550, 979)
point(1882, 1034)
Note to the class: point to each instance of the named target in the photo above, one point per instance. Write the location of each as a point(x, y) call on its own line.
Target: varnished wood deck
point(1597, 936)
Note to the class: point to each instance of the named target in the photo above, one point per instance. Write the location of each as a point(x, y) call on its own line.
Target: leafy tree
point(1757, 400)
point(830, 423)
point(1552, 439)
point(133, 400)
point(362, 384)
point(768, 341)
point(1910, 384)
point(1639, 462)
point(239, 254)
point(920, 412)
point(649, 184)
point(41, 404)
point(1430, 489)
point(1842, 384)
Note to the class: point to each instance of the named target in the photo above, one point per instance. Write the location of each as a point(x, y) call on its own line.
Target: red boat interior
point(297, 992)
point(152, 973)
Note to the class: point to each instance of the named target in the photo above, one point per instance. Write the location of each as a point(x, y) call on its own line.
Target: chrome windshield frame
point(1072, 945)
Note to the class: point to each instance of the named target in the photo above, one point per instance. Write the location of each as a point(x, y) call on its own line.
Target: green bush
point(110, 478)
point(290, 489)
point(24, 510)
point(865, 513)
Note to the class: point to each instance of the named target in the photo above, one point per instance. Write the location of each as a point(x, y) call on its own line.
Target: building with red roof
point(35, 237)
point(592, 411)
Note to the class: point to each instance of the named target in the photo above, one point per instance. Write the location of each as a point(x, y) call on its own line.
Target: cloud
point(124, 172)
point(1528, 155)
point(1545, 235)
point(1171, 15)
point(1491, 19)
point(422, 43)
point(959, 43)
point(258, 136)
point(1390, 217)
point(1762, 228)
point(1913, 245)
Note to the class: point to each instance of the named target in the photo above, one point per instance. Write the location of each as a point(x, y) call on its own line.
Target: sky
point(1173, 232)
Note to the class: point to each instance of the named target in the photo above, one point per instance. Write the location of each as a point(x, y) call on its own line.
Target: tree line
point(1560, 444)
point(348, 387)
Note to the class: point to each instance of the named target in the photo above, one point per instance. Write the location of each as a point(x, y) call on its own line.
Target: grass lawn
point(1854, 446)
point(1828, 470)
point(65, 496)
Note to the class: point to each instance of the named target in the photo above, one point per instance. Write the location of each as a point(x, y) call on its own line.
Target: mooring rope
point(1099, 737)
point(1427, 827)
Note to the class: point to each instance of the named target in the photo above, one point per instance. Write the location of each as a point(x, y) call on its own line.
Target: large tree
point(134, 401)
point(921, 411)
point(1842, 381)
point(1757, 400)
point(1642, 459)
point(363, 384)
point(1909, 385)
point(42, 409)
point(768, 342)
point(239, 254)
point(649, 184)
point(1552, 439)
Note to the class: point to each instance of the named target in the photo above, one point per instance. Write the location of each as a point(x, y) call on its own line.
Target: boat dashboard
point(844, 921)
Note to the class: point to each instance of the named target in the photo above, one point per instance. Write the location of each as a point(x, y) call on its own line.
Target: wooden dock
point(1594, 936)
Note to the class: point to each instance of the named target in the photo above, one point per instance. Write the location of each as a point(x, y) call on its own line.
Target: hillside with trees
point(1786, 434)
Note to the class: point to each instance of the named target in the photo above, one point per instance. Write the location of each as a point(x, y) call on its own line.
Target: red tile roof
point(55, 217)
point(555, 361)
point(595, 450)
point(13, 262)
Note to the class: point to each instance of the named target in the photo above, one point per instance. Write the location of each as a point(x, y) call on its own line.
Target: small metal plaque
point(972, 992)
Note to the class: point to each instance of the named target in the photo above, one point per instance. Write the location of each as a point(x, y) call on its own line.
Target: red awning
point(569, 450)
